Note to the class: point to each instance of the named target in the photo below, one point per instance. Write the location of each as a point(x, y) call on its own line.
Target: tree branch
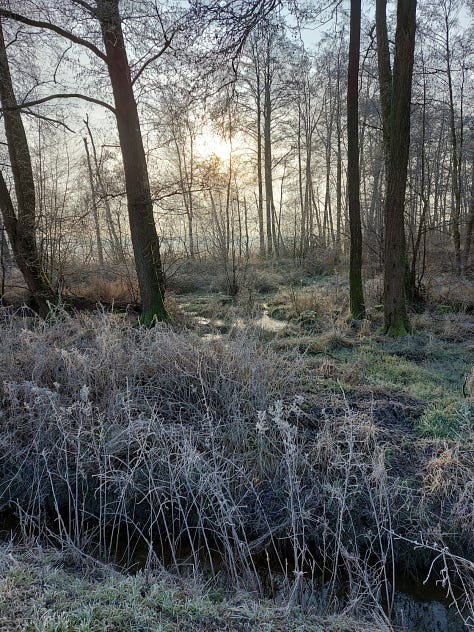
point(48, 119)
point(5, 13)
point(73, 95)
point(85, 5)
point(151, 60)
point(168, 39)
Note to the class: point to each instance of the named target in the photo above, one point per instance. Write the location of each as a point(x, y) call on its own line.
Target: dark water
point(415, 615)
point(418, 606)
point(413, 609)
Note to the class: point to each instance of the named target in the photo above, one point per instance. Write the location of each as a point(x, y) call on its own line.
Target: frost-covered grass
point(220, 452)
point(44, 590)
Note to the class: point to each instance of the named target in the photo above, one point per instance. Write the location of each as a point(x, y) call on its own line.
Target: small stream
point(415, 615)
point(413, 610)
point(418, 605)
point(215, 328)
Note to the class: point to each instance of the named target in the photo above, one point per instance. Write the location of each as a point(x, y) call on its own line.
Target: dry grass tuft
point(450, 290)
point(100, 290)
point(40, 592)
point(468, 389)
point(450, 326)
point(445, 472)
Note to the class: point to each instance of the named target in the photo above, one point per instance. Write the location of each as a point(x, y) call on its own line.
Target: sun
point(209, 144)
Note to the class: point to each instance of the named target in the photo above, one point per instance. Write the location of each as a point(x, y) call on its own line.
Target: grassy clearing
point(429, 365)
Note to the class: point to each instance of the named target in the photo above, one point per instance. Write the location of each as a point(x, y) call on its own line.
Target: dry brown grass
point(100, 290)
point(448, 289)
point(447, 471)
point(469, 384)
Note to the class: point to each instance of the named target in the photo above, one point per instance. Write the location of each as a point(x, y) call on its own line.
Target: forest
point(236, 315)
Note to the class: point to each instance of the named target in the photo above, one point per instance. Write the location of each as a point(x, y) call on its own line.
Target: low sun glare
point(211, 144)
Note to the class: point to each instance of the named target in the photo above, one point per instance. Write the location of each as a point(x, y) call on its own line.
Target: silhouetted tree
point(353, 175)
point(21, 225)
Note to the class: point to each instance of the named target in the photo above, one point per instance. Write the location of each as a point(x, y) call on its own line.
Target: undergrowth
point(216, 456)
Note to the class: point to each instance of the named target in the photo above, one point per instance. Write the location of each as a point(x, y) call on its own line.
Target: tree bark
point(21, 227)
point(353, 183)
point(385, 75)
point(95, 211)
point(258, 98)
point(395, 316)
point(145, 241)
point(267, 151)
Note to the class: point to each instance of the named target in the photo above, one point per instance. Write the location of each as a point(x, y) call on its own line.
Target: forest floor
point(336, 430)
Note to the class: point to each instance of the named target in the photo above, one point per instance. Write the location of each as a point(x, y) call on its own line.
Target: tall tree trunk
point(353, 184)
point(338, 188)
point(117, 249)
point(395, 316)
point(456, 154)
point(145, 241)
point(98, 237)
point(470, 222)
point(267, 139)
point(4, 259)
point(186, 178)
point(308, 210)
point(21, 227)
point(414, 279)
point(261, 228)
point(338, 247)
point(246, 226)
point(190, 208)
point(303, 222)
point(385, 75)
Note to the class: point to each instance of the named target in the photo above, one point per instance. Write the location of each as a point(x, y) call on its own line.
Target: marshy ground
point(269, 437)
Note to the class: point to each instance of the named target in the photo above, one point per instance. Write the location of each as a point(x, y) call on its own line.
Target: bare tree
point(353, 183)
point(114, 235)
point(145, 241)
point(95, 212)
point(450, 9)
point(395, 315)
point(21, 226)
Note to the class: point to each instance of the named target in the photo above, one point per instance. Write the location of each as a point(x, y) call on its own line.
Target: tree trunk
point(145, 241)
point(100, 250)
point(261, 229)
point(470, 223)
point(395, 316)
point(385, 74)
point(353, 185)
point(456, 157)
point(117, 249)
point(21, 228)
point(338, 186)
point(303, 221)
point(414, 279)
point(328, 230)
point(308, 210)
point(267, 141)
